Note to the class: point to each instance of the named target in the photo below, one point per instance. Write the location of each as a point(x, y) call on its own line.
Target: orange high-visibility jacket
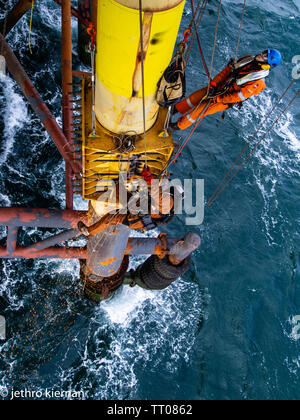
point(192, 107)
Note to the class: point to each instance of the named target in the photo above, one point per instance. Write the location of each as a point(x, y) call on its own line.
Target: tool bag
point(172, 85)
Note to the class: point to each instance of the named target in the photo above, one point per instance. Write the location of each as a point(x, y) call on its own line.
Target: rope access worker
point(235, 84)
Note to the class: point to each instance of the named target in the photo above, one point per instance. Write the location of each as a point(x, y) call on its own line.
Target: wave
point(282, 8)
point(146, 329)
point(14, 117)
point(275, 159)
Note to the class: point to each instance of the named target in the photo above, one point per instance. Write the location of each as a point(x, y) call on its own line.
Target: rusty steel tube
point(106, 250)
point(69, 187)
point(66, 97)
point(53, 240)
point(55, 253)
point(61, 219)
point(149, 246)
point(13, 17)
point(182, 249)
point(39, 107)
point(12, 238)
point(179, 249)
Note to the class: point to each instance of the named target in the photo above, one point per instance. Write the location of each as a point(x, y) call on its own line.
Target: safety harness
point(147, 222)
point(241, 71)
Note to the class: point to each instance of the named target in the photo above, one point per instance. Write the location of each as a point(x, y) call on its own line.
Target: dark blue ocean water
point(224, 331)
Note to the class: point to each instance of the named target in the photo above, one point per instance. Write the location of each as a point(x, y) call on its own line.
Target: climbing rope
point(204, 112)
point(143, 76)
point(30, 26)
point(197, 18)
point(198, 121)
point(214, 45)
point(240, 30)
point(198, 40)
point(252, 139)
point(219, 190)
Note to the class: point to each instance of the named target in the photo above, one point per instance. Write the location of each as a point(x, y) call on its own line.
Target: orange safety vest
point(247, 82)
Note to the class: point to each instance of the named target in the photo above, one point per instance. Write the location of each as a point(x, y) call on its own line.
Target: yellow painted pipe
point(119, 105)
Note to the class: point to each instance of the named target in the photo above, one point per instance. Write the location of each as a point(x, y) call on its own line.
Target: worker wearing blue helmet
point(274, 58)
point(240, 80)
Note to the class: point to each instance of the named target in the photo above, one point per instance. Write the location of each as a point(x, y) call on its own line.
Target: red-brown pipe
point(59, 253)
point(66, 97)
point(39, 107)
point(48, 218)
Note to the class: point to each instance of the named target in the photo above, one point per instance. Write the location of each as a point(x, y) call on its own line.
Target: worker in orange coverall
point(236, 83)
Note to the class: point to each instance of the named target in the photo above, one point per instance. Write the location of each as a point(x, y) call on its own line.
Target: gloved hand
point(213, 89)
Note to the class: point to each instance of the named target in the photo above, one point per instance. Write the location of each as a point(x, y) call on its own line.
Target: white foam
point(285, 131)
point(276, 156)
point(4, 200)
point(128, 300)
point(80, 203)
point(145, 328)
point(50, 14)
point(15, 115)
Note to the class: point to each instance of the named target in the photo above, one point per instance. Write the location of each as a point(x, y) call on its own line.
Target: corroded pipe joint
point(182, 249)
point(99, 288)
point(106, 250)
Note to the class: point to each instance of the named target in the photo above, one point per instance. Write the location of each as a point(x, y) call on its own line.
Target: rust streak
point(109, 261)
point(137, 75)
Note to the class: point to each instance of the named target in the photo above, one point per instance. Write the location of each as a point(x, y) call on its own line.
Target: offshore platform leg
point(158, 273)
point(104, 271)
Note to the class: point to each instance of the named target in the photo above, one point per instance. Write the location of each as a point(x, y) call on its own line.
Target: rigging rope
point(219, 192)
point(199, 119)
point(143, 75)
point(197, 19)
point(30, 26)
point(198, 40)
point(240, 30)
point(214, 46)
point(253, 137)
point(203, 113)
